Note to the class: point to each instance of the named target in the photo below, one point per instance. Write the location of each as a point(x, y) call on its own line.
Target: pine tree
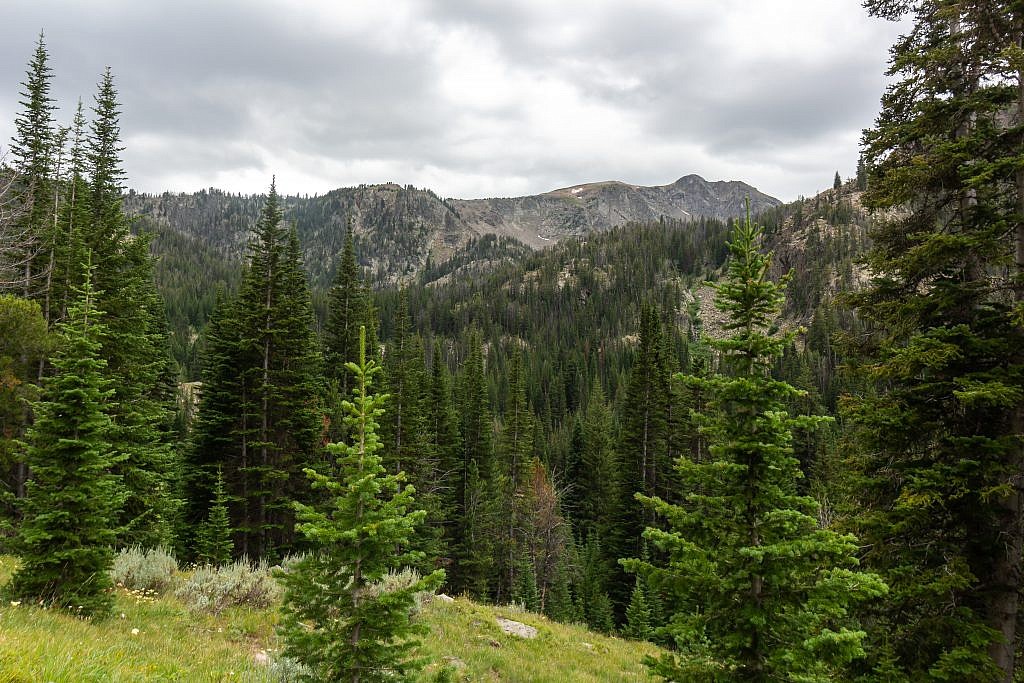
point(32, 148)
point(597, 477)
point(512, 478)
point(760, 592)
point(642, 446)
point(213, 538)
point(65, 541)
point(638, 614)
point(445, 444)
point(940, 430)
point(134, 342)
point(837, 182)
point(341, 618)
point(476, 493)
point(346, 312)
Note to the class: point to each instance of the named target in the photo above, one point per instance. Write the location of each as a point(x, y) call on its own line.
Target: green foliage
point(937, 433)
point(24, 341)
point(68, 529)
point(638, 614)
point(337, 619)
point(757, 589)
point(213, 538)
point(259, 419)
point(24, 254)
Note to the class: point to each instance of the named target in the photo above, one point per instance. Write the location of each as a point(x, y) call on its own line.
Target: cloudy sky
point(471, 98)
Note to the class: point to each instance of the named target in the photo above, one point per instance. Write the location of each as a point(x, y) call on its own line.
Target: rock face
point(399, 230)
point(540, 220)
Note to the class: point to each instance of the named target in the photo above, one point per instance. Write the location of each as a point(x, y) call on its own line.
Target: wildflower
point(135, 631)
point(15, 603)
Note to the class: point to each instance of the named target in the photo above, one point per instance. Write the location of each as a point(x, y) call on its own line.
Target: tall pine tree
point(941, 435)
point(758, 590)
point(65, 541)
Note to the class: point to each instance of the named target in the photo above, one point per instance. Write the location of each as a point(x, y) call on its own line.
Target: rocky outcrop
point(540, 220)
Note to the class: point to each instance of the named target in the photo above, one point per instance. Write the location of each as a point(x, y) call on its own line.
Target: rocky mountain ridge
point(400, 230)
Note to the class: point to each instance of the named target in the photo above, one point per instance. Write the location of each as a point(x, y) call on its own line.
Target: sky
point(470, 98)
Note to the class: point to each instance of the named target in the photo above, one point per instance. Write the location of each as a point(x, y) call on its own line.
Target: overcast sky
point(471, 98)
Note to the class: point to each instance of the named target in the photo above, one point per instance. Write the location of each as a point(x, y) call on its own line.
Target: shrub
point(213, 589)
point(151, 570)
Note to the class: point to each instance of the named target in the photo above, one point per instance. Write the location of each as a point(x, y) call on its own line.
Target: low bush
point(152, 570)
point(213, 589)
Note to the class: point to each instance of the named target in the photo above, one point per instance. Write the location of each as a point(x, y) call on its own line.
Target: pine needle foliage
point(757, 590)
point(338, 618)
point(72, 499)
point(213, 538)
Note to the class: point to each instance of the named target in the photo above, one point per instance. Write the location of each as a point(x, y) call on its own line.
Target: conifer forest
point(770, 441)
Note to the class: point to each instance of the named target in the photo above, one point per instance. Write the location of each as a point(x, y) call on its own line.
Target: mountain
point(542, 219)
point(400, 230)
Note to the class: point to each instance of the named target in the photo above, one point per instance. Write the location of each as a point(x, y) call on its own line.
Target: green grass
point(173, 643)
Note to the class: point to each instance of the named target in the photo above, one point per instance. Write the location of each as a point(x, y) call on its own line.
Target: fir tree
point(341, 619)
point(513, 479)
point(65, 541)
point(134, 342)
point(345, 314)
point(33, 151)
point(940, 431)
point(213, 538)
point(760, 592)
point(638, 614)
point(259, 417)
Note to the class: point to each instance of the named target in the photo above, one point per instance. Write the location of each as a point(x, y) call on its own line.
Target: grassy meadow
point(158, 638)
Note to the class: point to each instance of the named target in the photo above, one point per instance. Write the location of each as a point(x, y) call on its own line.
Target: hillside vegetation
point(158, 638)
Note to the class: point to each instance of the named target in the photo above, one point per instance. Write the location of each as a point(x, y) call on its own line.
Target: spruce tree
point(638, 614)
point(213, 538)
point(65, 541)
point(32, 149)
point(134, 342)
point(262, 423)
point(476, 492)
point(513, 479)
point(940, 429)
point(345, 313)
point(340, 617)
point(759, 590)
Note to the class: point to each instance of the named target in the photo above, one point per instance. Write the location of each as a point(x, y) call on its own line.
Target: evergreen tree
point(512, 479)
point(940, 430)
point(346, 313)
point(213, 538)
point(134, 342)
point(444, 443)
point(341, 618)
point(65, 541)
point(837, 182)
point(476, 494)
point(33, 151)
point(760, 592)
point(638, 614)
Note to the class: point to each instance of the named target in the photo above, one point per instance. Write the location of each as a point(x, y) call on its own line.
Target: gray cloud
point(470, 98)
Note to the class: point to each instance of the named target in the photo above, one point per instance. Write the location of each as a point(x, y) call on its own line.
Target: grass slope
point(159, 639)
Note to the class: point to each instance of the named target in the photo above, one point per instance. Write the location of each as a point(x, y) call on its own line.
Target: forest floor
point(160, 639)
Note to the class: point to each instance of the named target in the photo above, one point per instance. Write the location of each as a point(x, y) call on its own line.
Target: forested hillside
point(785, 446)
